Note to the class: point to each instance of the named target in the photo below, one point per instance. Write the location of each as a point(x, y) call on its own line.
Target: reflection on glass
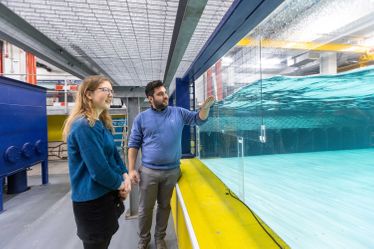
point(292, 133)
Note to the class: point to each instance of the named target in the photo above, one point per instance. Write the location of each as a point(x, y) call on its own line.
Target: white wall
point(14, 60)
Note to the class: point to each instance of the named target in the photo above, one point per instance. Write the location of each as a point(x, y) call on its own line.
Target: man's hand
point(205, 108)
point(134, 176)
point(208, 103)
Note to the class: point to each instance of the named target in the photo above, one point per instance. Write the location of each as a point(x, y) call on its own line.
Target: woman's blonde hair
point(84, 107)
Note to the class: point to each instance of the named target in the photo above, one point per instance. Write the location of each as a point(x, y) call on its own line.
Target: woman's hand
point(125, 187)
point(127, 182)
point(122, 193)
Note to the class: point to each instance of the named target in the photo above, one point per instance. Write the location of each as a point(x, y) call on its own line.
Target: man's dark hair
point(150, 88)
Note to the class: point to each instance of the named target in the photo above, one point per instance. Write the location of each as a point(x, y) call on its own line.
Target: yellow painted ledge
point(218, 219)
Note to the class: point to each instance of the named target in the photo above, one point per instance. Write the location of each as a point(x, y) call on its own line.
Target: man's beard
point(160, 105)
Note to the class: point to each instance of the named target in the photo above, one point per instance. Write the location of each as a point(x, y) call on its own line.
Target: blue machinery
point(23, 133)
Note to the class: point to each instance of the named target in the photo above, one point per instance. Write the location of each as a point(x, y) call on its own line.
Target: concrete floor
point(42, 217)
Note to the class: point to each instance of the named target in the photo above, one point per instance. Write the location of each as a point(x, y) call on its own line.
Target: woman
point(99, 180)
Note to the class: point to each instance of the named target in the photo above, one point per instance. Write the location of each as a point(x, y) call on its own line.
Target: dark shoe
point(143, 244)
point(161, 244)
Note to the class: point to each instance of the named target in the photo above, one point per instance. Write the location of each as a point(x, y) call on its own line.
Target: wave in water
point(298, 102)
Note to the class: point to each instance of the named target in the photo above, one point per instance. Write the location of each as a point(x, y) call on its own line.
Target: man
point(158, 132)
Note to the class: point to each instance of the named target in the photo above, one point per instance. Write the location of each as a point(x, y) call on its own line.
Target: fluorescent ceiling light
point(226, 61)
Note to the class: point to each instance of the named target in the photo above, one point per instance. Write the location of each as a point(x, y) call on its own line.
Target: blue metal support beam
point(182, 98)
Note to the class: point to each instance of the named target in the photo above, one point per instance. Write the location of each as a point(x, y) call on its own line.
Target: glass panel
point(305, 76)
point(224, 137)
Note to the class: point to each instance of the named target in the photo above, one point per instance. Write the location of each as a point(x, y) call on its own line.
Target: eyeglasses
point(106, 90)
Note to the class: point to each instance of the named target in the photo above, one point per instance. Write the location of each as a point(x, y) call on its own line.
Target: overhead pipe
point(314, 46)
